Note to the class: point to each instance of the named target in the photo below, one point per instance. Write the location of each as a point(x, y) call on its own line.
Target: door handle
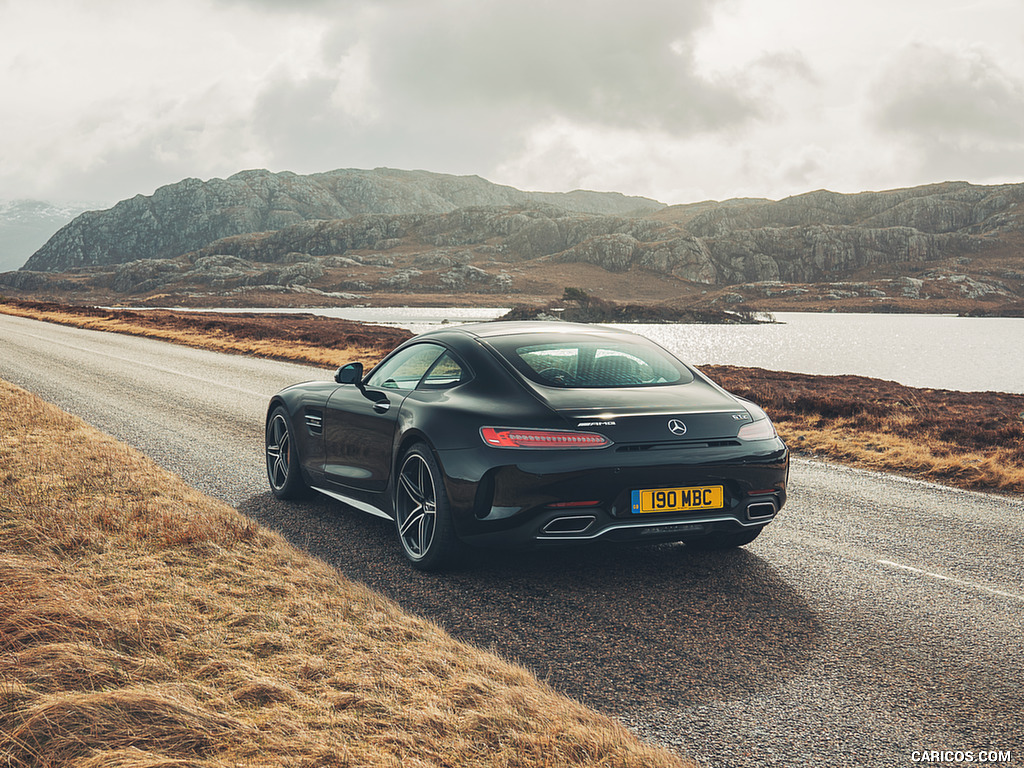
point(381, 406)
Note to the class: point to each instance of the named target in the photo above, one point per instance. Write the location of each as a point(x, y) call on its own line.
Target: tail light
point(758, 430)
point(511, 437)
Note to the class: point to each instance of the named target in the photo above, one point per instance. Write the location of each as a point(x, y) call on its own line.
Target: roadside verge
point(145, 624)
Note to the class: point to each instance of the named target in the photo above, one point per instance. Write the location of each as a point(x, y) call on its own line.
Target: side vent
point(314, 421)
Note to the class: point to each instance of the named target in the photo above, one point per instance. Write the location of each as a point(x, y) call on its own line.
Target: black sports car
point(532, 433)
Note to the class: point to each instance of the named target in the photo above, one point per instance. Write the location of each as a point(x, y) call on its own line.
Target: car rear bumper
point(566, 497)
point(596, 525)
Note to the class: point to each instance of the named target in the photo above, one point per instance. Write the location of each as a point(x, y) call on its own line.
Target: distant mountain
point(261, 239)
point(25, 225)
point(817, 237)
point(186, 216)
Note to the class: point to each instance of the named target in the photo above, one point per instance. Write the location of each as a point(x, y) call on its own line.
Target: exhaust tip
point(760, 510)
point(569, 524)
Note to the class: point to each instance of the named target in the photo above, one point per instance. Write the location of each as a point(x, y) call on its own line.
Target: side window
point(446, 372)
point(405, 369)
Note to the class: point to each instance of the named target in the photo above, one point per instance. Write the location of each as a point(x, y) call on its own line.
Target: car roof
point(515, 327)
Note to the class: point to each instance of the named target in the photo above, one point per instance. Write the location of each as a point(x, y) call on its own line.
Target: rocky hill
point(934, 208)
point(188, 215)
point(388, 236)
point(616, 244)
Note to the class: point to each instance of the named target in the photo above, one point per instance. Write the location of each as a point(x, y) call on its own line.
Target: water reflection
point(937, 351)
point(970, 354)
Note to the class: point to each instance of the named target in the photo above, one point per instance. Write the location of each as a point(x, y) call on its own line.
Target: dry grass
point(972, 440)
point(144, 625)
point(997, 469)
point(302, 338)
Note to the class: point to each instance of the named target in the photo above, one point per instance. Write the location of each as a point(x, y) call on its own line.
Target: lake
point(936, 351)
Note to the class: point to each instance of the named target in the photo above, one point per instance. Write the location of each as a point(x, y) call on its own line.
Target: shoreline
point(754, 298)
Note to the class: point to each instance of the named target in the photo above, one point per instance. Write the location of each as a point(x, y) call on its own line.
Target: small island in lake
point(578, 306)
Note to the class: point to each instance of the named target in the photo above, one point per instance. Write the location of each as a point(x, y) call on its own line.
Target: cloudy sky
point(680, 100)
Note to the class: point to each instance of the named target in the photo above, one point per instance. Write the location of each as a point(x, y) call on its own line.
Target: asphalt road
point(878, 618)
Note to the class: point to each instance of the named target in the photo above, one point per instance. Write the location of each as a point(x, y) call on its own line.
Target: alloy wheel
point(278, 452)
point(416, 506)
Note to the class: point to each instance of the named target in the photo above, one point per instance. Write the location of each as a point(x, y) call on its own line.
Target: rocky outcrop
point(577, 306)
point(816, 252)
point(189, 215)
point(143, 275)
point(792, 254)
point(687, 258)
point(612, 252)
point(934, 209)
point(23, 280)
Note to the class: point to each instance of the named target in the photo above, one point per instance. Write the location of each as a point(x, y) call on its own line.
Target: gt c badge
point(676, 427)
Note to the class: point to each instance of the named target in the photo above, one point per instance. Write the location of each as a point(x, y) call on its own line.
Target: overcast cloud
point(680, 100)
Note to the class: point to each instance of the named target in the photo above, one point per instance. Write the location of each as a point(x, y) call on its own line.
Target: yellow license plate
point(678, 499)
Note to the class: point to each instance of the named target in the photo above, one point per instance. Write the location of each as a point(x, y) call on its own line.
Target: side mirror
point(349, 374)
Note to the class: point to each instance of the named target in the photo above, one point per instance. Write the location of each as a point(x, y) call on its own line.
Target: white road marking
point(943, 577)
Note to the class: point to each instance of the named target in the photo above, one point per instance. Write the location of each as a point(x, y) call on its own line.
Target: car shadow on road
point(619, 628)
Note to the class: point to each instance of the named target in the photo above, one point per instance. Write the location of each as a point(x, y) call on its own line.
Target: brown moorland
point(303, 338)
point(143, 624)
point(972, 440)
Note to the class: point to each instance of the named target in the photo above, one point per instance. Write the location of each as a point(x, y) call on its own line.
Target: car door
point(360, 419)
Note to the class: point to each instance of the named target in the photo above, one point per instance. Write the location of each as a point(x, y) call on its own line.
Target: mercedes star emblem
point(676, 427)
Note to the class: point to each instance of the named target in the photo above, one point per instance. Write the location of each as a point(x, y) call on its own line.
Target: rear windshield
point(586, 361)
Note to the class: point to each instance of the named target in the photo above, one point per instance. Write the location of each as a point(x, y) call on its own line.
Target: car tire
point(423, 518)
point(716, 541)
point(283, 470)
